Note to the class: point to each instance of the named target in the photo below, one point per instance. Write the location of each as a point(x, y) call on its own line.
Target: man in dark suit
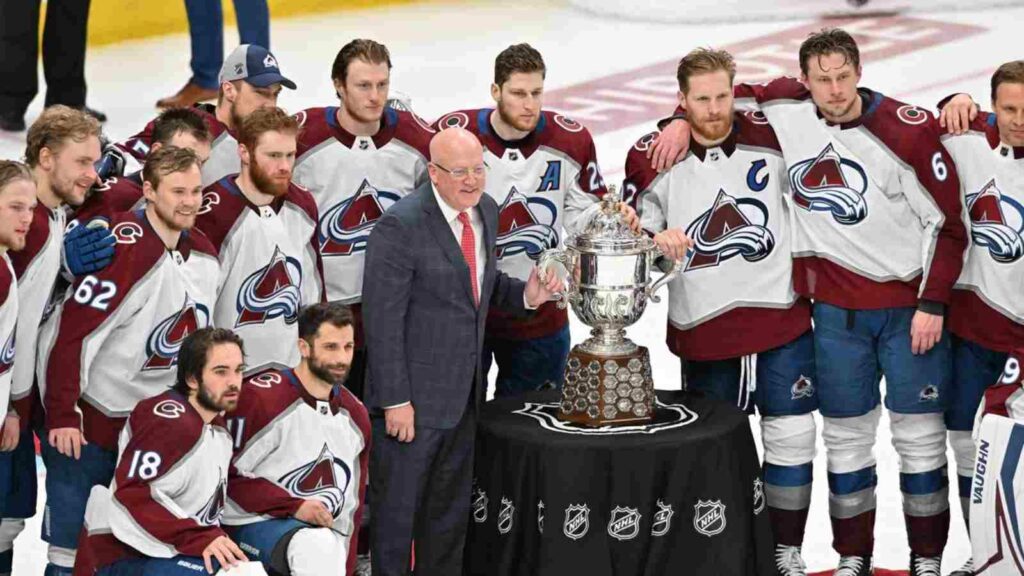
point(430, 278)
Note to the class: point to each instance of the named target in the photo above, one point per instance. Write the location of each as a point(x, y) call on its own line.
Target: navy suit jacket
point(424, 335)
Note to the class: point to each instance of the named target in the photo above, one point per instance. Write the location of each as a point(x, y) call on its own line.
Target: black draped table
point(680, 496)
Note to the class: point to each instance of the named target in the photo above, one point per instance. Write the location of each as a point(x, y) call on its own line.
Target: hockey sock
point(851, 481)
point(920, 441)
point(789, 452)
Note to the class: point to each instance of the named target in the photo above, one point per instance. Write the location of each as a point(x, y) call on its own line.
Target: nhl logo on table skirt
point(758, 496)
point(540, 516)
point(479, 506)
point(506, 516)
point(709, 517)
point(662, 519)
point(624, 524)
point(577, 521)
point(666, 417)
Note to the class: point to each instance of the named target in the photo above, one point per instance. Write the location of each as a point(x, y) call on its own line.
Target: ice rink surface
point(614, 75)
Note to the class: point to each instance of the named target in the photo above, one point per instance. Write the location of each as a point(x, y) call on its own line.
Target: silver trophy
point(608, 377)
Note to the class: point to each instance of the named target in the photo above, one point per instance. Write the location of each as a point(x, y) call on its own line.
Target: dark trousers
point(420, 492)
point(206, 29)
point(63, 53)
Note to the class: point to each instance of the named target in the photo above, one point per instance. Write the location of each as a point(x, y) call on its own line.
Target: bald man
point(430, 278)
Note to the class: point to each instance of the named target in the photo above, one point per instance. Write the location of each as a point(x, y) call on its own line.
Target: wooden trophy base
point(607, 390)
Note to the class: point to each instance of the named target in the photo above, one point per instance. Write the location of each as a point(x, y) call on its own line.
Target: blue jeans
point(786, 379)
point(854, 349)
point(528, 365)
point(206, 29)
point(68, 483)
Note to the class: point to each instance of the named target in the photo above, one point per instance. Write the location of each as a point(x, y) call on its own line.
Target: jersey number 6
point(95, 292)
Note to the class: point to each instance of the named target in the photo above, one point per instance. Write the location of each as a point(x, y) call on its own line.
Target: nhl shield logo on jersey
point(271, 292)
point(759, 500)
point(211, 511)
point(479, 505)
point(831, 183)
point(577, 521)
point(165, 340)
point(326, 479)
point(709, 517)
point(662, 521)
point(731, 227)
point(997, 223)
point(506, 516)
point(7, 355)
point(345, 227)
point(525, 226)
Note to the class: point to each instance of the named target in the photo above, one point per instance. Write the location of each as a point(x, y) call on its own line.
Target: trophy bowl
point(608, 377)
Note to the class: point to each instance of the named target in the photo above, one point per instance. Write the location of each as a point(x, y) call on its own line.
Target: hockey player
point(17, 202)
point(878, 245)
point(180, 127)
point(161, 514)
point(542, 173)
point(734, 319)
point(985, 315)
point(302, 445)
point(357, 159)
point(114, 340)
point(250, 79)
point(62, 146)
point(265, 228)
point(997, 487)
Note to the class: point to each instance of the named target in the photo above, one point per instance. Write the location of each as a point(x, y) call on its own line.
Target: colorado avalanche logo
point(271, 292)
point(165, 340)
point(731, 227)
point(831, 183)
point(345, 228)
point(7, 355)
point(211, 511)
point(325, 479)
point(525, 226)
point(997, 223)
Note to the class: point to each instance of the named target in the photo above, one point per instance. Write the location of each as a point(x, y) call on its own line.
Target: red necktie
point(469, 253)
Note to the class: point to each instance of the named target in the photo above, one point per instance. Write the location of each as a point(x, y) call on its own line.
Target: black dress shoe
point(99, 116)
point(12, 122)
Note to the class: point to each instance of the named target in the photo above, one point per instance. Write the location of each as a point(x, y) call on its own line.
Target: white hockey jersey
point(8, 321)
point(269, 267)
point(876, 201)
point(735, 294)
point(169, 486)
point(291, 447)
point(541, 184)
point(223, 159)
point(37, 267)
point(987, 306)
point(354, 180)
point(114, 340)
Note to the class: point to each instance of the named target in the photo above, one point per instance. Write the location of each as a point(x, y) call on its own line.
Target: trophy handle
point(562, 257)
point(652, 288)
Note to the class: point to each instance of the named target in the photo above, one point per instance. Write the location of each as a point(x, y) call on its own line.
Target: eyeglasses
point(463, 173)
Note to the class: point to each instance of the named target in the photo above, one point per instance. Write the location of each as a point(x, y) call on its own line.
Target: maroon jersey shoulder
point(782, 88)
point(266, 393)
point(314, 129)
point(176, 424)
point(639, 173)
point(460, 118)
point(753, 130)
point(413, 131)
point(903, 128)
point(566, 135)
point(7, 280)
point(302, 198)
point(35, 240)
point(223, 203)
point(118, 194)
point(198, 242)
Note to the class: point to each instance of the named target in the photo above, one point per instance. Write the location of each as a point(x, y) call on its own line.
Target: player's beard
point(67, 189)
point(222, 404)
point(323, 371)
point(363, 115)
point(712, 132)
point(265, 183)
point(173, 221)
point(521, 124)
